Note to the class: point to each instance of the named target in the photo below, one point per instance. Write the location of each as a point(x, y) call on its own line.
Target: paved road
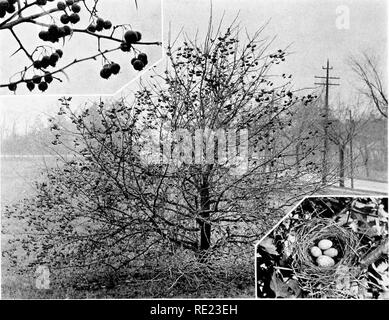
point(368, 185)
point(361, 187)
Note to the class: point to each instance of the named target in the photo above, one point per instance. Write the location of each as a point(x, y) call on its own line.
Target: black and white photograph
point(208, 149)
point(327, 247)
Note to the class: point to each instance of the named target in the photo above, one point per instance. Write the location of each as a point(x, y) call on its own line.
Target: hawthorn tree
point(44, 58)
point(136, 186)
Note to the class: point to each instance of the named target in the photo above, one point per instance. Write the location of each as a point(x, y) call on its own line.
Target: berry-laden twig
point(37, 79)
point(63, 13)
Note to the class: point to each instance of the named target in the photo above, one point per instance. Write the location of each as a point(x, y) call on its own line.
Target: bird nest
point(330, 281)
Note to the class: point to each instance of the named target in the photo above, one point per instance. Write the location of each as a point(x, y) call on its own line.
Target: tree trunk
point(297, 150)
point(366, 161)
point(205, 226)
point(341, 166)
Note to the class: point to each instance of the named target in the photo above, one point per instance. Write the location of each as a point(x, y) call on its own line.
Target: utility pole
point(327, 84)
point(351, 151)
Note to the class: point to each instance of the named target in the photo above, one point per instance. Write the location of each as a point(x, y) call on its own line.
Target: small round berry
point(59, 52)
point(37, 64)
point(130, 37)
point(105, 73)
point(12, 86)
point(125, 47)
point(43, 86)
point(100, 22)
point(44, 35)
point(138, 65)
point(45, 62)
point(48, 78)
point(41, 2)
point(36, 79)
point(65, 18)
point(61, 5)
point(76, 8)
point(107, 24)
point(74, 18)
point(53, 29)
point(91, 28)
point(69, 2)
point(67, 31)
point(99, 27)
point(54, 56)
point(143, 57)
point(11, 9)
point(54, 59)
point(115, 68)
point(138, 35)
point(30, 85)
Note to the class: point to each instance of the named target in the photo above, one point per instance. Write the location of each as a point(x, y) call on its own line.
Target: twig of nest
point(325, 257)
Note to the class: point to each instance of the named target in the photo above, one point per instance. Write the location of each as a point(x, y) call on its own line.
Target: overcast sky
point(308, 25)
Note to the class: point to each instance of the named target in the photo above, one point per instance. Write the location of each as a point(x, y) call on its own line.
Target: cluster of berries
point(99, 25)
point(73, 17)
point(130, 37)
point(50, 60)
point(7, 6)
point(62, 5)
point(109, 69)
point(139, 62)
point(125, 47)
point(54, 33)
point(41, 81)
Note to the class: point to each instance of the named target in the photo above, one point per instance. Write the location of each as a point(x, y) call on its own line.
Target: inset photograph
point(327, 247)
point(78, 47)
